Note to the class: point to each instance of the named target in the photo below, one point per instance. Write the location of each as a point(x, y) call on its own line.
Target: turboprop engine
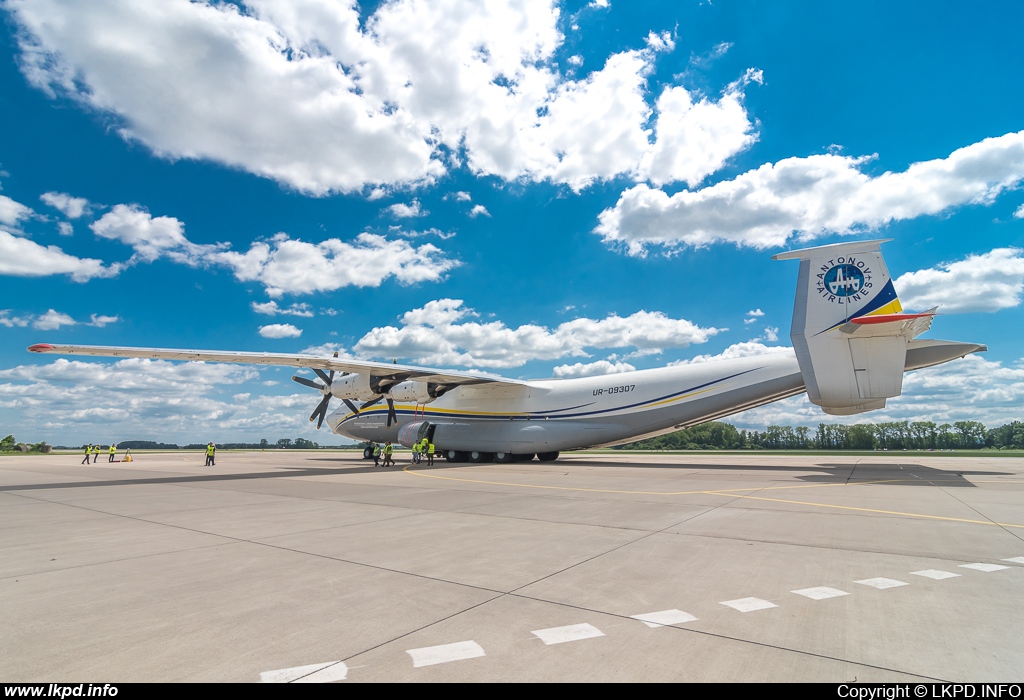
point(415, 392)
point(353, 386)
point(348, 387)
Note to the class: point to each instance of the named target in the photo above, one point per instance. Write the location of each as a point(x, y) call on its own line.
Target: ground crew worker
point(113, 451)
point(415, 453)
point(376, 455)
point(211, 449)
point(389, 450)
point(88, 453)
point(96, 453)
point(430, 454)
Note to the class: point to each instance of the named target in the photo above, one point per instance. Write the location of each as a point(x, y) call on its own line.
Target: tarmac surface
point(316, 567)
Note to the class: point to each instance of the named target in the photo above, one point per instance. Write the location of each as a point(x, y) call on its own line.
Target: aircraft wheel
point(547, 456)
point(479, 457)
point(367, 453)
point(522, 458)
point(504, 457)
point(455, 456)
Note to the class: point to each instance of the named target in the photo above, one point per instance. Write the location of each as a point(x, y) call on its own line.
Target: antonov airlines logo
point(844, 279)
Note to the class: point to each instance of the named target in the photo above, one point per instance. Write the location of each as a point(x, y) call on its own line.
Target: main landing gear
point(496, 457)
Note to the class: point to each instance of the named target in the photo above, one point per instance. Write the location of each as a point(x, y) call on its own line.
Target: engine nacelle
point(413, 392)
point(353, 386)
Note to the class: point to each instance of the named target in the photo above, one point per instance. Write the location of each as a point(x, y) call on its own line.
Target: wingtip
point(40, 347)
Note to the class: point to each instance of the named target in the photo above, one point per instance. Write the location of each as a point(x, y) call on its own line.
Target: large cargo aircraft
point(852, 343)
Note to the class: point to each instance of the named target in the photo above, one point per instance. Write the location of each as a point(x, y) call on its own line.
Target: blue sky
point(535, 189)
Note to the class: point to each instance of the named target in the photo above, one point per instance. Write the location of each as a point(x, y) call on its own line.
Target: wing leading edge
point(377, 369)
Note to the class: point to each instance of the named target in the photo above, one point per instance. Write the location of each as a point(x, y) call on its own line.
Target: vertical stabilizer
point(849, 332)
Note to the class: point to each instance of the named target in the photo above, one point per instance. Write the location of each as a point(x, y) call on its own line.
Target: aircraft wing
point(382, 370)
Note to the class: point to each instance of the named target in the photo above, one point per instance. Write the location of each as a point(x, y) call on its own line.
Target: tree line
point(897, 435)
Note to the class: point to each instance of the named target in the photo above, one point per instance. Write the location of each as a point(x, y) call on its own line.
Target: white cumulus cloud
point(438, 333)
point(52, 320)
point(282, 265)
point(271, 308)
point(809, 197)
point(12, 212)
point(479, 210)
point(314, 96)
point(750, 348)
point(591, 369)
point(280, 330)
point(21, 257)
point(71, 207)
point(295, 267)
point(987, 282)
point(151, 237)
point(6, 319)
point(400, 210)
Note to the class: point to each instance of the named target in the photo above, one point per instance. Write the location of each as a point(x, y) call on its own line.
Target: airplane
point(852, 344)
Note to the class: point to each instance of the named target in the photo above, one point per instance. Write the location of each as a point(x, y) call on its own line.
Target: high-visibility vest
point(88, 449)
point(376, 450)
point(430, 448)
point(113, 449)
point(388, 449)
point(415, 448)
point(209, 450)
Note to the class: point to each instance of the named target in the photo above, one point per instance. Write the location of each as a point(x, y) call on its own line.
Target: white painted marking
point(820, 593)
point(749, 604)
point(569, 633)
point(664, 617)
point(444, 653)
point(882, 583)
point(337, 671)
point(334, 672)
point(987, 568)
point(1015, 560)
point(935, 574)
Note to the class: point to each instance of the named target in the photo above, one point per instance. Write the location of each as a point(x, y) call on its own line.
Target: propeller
point(320, 411)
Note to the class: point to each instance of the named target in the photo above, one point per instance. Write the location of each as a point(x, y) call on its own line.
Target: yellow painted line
point(728, 493)
point(876, 510)
point(716, 492)
point(407, 470)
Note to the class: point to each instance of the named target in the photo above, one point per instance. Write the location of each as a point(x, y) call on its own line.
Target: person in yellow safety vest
point(211, 450)
point(113, 451)
point(415, 453)
point(376, 454)
point(88, 453)
point(96, 453)
point(430, 454)
point(389, 450)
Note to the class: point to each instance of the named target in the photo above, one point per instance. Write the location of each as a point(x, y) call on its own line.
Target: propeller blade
point(308, 382)
point(392, 415)
point(323, 375)
point(371, 402)
point(351, 406)
point(321, 410)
